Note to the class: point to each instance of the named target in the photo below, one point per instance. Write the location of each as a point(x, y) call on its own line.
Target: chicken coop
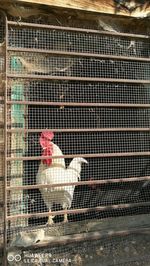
point(75, 130)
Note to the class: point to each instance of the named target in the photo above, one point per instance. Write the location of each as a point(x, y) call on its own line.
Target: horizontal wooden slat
point(97, 6)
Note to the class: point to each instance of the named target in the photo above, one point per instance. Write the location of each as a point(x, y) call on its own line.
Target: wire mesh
point(71, 91)
point(79, 19)
point(91, 117)
point(86, 143)
point(104, 168)
point(77, 42)
point(106, 123)
point(26, 116)
point(35, 64)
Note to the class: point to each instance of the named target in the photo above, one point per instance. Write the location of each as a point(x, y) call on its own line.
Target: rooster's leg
point(50, 219)
point(65, 218)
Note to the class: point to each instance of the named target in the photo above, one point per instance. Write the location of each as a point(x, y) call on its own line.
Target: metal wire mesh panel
point(77, 122)
point(86, 143)
point(77, 91)
point(115, 115)
point(29, 63)
point(77, 42)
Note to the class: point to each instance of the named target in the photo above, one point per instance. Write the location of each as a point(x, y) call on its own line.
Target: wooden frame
point(99, 6)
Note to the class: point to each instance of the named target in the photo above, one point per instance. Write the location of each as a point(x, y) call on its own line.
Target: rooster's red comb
point(45, 138)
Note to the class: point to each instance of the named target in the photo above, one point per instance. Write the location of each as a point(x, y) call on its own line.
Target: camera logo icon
point(12, 257)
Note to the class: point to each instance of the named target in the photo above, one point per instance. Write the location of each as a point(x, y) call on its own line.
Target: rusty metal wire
point(33, 63)
point(94, 106)
point(62, 91)
point(82, 42)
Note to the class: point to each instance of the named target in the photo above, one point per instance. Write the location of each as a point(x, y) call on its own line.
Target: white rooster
point(49, 149)
point(57, 175)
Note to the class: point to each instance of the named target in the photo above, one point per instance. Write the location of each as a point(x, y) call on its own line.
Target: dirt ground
point(131, 250)
point(123, 249)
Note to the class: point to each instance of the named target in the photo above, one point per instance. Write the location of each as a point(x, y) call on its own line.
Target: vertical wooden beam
point(17, 146)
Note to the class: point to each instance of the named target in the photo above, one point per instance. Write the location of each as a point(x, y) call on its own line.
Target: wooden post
point(17, 145)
